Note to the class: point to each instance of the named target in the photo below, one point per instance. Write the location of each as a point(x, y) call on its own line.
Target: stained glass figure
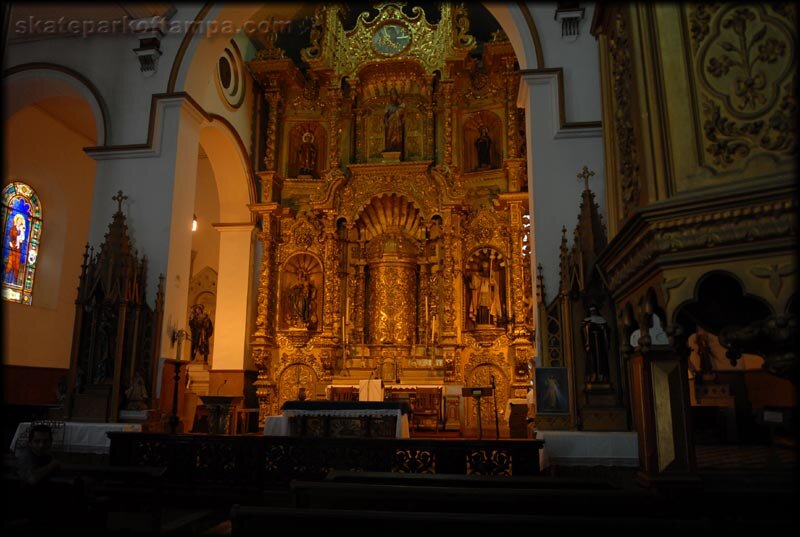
point(22, 229)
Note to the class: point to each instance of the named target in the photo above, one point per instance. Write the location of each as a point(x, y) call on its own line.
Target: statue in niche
point(307, 157)
point(597, 343)
point(484, 305)
point(483, 147)
point(202, 328)
point(303, 302)
point(393, 121)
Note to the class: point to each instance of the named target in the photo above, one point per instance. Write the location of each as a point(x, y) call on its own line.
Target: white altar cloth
point(81, 437)
point(582, 448)
point(279, 425)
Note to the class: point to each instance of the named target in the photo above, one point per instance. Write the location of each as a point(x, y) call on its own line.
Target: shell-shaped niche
point(390, 213)
point(301, 293)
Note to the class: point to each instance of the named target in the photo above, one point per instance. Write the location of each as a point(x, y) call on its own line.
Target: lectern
point(219, 411)
point(477, 393)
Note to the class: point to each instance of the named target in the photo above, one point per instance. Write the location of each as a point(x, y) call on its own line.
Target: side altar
point(394, 219)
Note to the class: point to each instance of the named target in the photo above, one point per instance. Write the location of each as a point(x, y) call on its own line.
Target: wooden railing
point(260, 462)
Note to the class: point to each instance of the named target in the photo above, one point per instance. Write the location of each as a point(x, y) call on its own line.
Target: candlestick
point(174, 420)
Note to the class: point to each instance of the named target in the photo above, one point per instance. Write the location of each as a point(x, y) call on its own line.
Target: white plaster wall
point(108, 61)
point(555, 187)
point(579, 59)
point(555, 161)
point(205, 241)
point(161, 193)
point(47, 155)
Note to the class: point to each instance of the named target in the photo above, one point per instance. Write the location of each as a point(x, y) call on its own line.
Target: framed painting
point(552, 390)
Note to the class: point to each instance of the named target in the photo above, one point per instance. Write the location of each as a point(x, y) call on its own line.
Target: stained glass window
point(22, 228)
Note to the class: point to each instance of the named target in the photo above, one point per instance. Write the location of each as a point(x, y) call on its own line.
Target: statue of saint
point(483, 147)
point(484, 305)
point(597, 343)
point(307, 156)
point(393, 121)
point(202, 329)
point(303, 302)
point(136, 394)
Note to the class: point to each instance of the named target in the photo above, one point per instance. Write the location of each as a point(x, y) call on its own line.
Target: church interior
point(489, 262)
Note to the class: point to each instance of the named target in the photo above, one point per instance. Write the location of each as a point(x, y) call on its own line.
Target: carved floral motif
point(624, 112)
point(745, 59)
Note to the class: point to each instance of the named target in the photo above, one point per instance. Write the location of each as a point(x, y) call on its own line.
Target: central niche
point(391, 226)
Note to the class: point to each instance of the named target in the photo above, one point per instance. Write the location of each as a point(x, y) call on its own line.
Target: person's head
point(40, 439)
point(483, 130)
point(308, 137)
point(485, 267)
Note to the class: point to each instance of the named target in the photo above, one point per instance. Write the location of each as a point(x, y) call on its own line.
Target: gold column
point(262, 340)
point(392, 290)
point(512, 88)
point(447, 92)
point(334, 129)
point(273, 98)
point(331, 311)
point(358, 312)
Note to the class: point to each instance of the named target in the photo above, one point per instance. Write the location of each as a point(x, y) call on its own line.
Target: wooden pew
point(466, 499)
point(459, 480)
point(261, 520)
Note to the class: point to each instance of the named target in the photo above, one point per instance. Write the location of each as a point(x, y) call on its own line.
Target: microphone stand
point(496, 417)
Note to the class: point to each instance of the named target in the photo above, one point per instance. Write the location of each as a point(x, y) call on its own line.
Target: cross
point(585, 175)
point(119, 198)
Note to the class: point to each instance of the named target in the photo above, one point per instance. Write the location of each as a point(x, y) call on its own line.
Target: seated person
point(35, 463)
point(43, 488)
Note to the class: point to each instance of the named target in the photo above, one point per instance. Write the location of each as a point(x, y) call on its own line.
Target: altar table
point(78, 437)
point(281, 425)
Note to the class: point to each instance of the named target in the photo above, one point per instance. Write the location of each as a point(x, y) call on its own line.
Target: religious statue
point(16, 236)
point(307, 156)
point(202, 329)
point(136, 394)
point(484, 305)
point(393, 121)
point(303, 302)
point(483, 146)
point(701, 345)
point(597, 343)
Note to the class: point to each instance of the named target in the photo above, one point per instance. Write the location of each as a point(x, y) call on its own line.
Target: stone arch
point(28, 84)
point(230, 163)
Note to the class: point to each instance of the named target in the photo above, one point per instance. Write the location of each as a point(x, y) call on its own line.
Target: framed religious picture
point(552, 390)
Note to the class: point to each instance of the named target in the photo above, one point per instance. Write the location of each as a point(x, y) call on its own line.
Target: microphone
point(224, 382)
point(370, 374)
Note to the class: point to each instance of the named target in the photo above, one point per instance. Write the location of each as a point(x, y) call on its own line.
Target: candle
point(427, 326)
point(180, 343)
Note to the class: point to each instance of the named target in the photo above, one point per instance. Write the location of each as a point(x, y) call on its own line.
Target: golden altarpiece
point(394, 213)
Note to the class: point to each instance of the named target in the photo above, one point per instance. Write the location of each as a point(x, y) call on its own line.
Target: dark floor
point(723, 469)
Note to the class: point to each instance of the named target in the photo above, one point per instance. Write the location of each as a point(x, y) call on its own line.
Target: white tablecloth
point(579, 448)
point(80, 437)
point(279, 425)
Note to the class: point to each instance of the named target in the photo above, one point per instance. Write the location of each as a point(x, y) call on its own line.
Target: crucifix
point(119, 198)
point(585, 175)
